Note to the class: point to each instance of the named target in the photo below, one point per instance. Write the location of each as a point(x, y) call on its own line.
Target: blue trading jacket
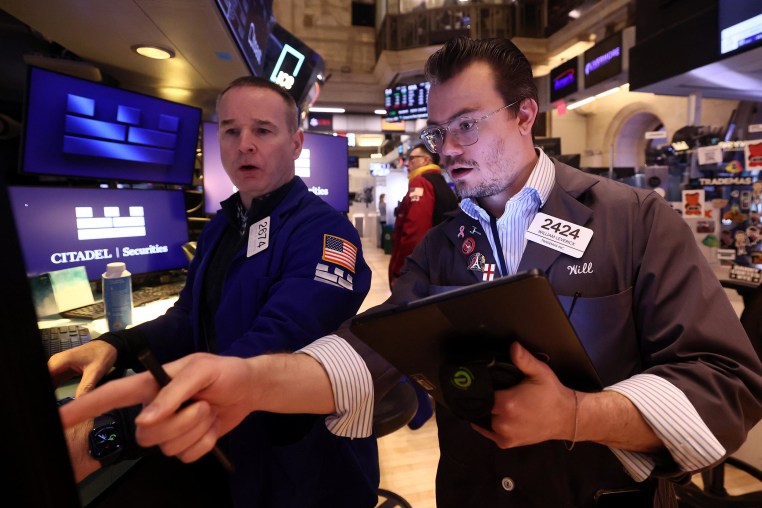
point(280, 299)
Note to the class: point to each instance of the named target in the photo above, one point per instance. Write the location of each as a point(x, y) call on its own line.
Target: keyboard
point(140, 296)
point(61, 338)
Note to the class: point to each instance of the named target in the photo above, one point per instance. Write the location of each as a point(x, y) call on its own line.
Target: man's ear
point(526, 115)
point(298, 140)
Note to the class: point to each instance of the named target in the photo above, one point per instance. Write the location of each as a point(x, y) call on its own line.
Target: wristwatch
point(106, 439)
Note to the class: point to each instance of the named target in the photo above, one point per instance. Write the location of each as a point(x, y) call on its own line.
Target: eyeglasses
point(465, 132)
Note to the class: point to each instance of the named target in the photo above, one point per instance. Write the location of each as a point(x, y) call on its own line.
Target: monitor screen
point(604, 60)
point(62, 227)
point(76, 128)
point(292, 64)
point(406, 102)
point(564, 80)
point(323, 165)
point(249, 23)
point(740, 25)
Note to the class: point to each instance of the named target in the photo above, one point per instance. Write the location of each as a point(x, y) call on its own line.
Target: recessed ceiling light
point(155, 52)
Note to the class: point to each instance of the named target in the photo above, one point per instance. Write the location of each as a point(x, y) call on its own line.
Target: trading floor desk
point(94, 485)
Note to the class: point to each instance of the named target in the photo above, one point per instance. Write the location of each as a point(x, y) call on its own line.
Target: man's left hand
point(537, 409)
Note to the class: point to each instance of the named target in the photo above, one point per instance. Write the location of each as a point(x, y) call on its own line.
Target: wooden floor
point(409, 458)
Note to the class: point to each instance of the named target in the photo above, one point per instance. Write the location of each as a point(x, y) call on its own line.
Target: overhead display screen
point(564, 80)
point(406, 102)
point(292, 64)
point(604, 60)
point(249, 22)
point(82, 129)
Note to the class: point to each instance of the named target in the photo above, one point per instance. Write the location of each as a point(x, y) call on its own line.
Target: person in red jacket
point(428, 198)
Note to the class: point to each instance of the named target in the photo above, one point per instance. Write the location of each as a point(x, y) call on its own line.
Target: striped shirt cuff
point(674, 420)
point(352, 386)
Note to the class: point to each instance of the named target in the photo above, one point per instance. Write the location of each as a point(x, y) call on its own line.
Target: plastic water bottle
point(117, 296)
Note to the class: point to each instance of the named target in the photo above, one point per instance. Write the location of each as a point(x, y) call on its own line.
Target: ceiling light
point(574, 13)
point(155, 52)
point(380, 111)
point(175, 94)
point(327, 110)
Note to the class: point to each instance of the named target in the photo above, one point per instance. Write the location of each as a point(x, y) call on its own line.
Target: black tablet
point(456, 344)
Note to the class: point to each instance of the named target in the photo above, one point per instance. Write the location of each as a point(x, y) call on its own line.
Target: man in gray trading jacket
point(682, 381)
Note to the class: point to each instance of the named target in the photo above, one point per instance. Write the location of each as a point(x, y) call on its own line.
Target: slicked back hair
point(513, 72)
point(292, 111)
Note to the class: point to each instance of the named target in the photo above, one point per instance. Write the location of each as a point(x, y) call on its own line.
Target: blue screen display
point(323, 165)
point(63, 227)
point(81, 129)
point(740, 25)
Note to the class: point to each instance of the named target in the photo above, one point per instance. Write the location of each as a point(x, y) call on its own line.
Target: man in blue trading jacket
point(683, 384)
point(276, 269)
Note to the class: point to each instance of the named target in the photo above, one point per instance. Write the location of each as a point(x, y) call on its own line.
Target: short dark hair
point(434, 156)
point(292, 119)
point(513, 72)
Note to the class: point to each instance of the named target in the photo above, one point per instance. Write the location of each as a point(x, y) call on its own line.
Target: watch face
point(104, 441)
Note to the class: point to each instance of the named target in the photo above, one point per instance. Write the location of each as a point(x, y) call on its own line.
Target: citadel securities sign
point(90, 255)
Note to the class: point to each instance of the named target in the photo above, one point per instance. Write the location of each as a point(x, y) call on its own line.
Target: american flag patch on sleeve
point(339, 251)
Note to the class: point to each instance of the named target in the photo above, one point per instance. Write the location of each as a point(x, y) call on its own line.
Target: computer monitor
point(76, 128)
point(323, 165)
point(61, 227)
point(38, 470)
